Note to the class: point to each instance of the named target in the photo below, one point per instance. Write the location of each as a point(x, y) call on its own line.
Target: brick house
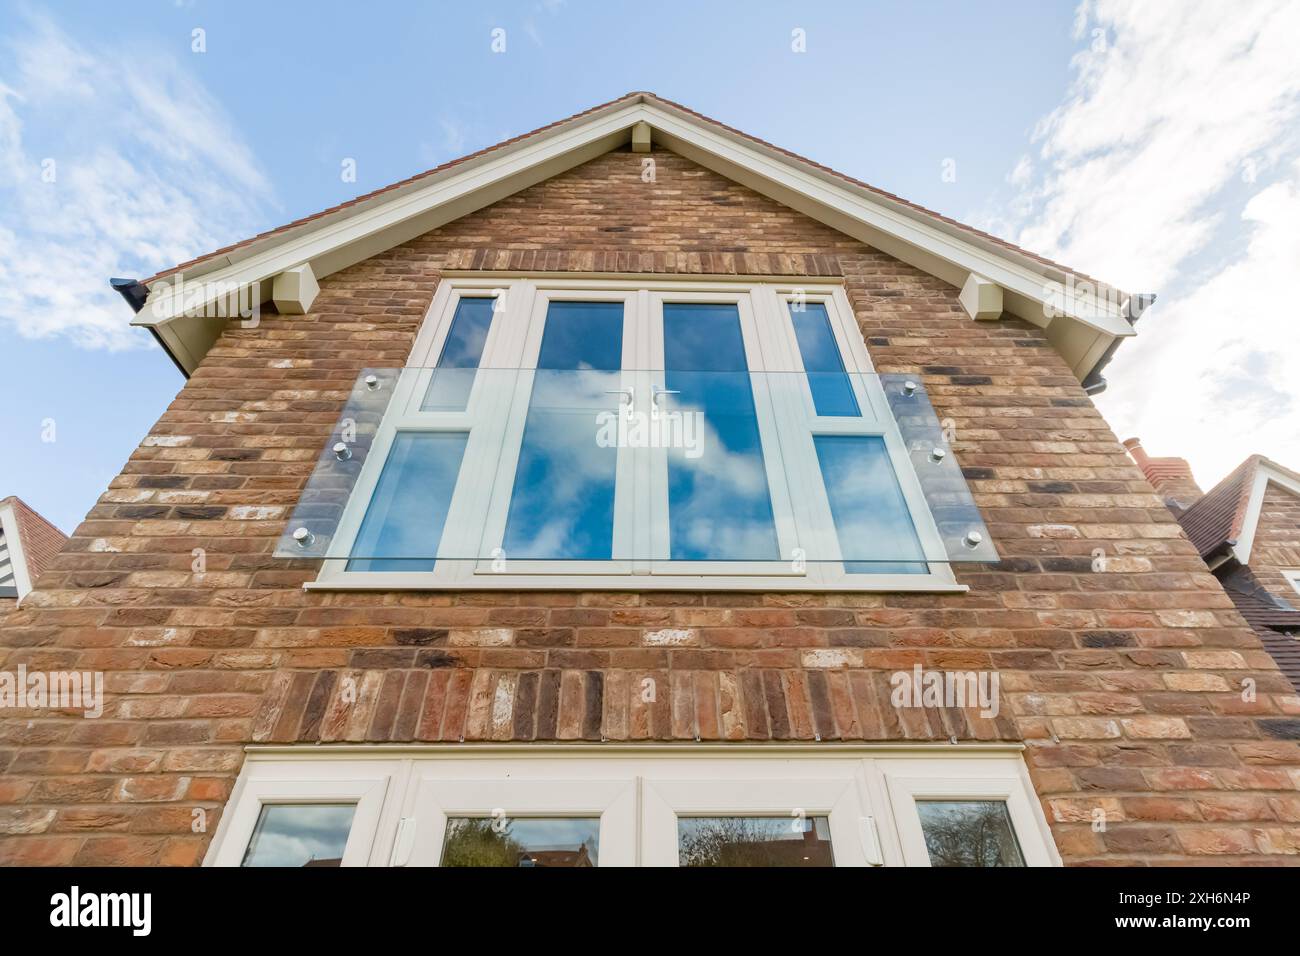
point(857, 572)
point(1247, 528)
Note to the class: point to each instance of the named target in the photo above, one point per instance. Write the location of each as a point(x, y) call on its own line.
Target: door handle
point(404, 842)
point(629, 393)
point(870, 841)
point(656, 391)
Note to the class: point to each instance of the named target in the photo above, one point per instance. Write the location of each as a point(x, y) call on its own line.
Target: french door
point(639, 813)
point(676, 433)
point(669, 374)
point(540, 806)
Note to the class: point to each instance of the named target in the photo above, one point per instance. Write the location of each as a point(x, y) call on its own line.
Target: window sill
point(381, 581)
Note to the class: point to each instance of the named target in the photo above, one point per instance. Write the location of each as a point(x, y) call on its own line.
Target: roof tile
point(40, 539)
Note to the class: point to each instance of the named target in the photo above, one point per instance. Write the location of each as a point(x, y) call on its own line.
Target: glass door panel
point(754, 841)
point(300, 835)
point(718, 488)
point(969, 833)
point(524, 842)
point(519, 813)
point(562, 503)
point(563, 490)
point(719, 504)
point(758, 821)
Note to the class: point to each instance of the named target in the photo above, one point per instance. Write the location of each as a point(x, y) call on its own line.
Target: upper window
point(633, 434)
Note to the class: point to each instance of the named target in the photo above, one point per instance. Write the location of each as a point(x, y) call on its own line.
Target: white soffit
point(1081, 322)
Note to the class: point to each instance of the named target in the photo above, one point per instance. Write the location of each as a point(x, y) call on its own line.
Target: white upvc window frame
point(364, 783)
point(487, 789)
point(775, 788)
point(868, 792)
point(909, 782)
point(495, 418)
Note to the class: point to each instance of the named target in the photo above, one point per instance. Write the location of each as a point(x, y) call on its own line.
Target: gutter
point(136, 293)
point(133, 290)
point(1094, 383)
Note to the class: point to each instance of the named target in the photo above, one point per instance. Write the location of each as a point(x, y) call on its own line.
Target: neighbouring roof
point(1084, 318)
point(1278, 630)
point(28, 542)
point(1227, 514)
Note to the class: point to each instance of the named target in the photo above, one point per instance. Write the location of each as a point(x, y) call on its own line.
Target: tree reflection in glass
point(754, 841)
point(535, 841)
point(969, 833)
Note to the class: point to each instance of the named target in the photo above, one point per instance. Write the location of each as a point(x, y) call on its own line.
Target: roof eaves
point(229, 255)
point(1106, 312)
point(986, 240)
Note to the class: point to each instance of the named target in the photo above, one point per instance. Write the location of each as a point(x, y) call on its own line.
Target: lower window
point(525, 841)
point(709, 807)
point(754, 841)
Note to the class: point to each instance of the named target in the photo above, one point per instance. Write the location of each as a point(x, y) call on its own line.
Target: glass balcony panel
point(872, 523)
point(407, 512)
point(570, 443)
point(960, 526)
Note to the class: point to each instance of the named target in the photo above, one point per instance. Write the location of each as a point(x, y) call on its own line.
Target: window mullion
point(515, 362)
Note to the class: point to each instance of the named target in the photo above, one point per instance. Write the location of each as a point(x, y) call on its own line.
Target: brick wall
point(1277, 542)
point(1122, 682)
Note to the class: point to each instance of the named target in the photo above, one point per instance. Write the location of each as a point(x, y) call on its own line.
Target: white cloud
point(146, 169)
point(1173, 166)
point(1216, 376)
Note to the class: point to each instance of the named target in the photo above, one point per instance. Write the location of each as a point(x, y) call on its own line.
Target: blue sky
point(1155, 146)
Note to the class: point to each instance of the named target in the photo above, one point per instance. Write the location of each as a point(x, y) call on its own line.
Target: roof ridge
point(1221, 485)
point(31, 512)
point(1218, 516)
point(1265, 460)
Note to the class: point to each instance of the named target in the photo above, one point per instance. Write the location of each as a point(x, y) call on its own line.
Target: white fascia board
point(498, 175)
point(1255, 505)
point(962, 254)
point(1032, 292)
point(14, 542)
